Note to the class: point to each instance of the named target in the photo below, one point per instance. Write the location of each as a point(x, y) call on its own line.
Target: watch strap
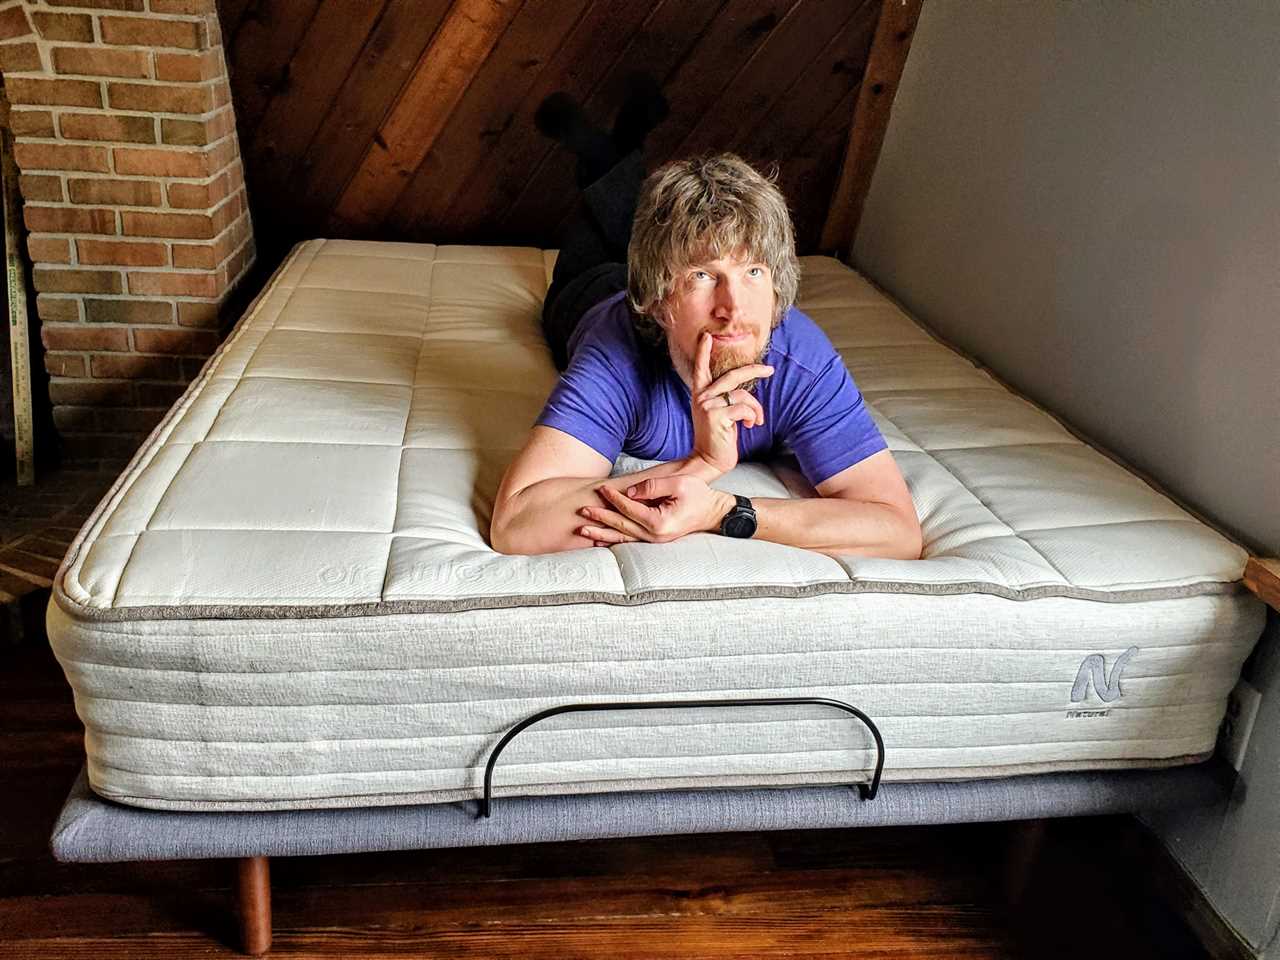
point(740, 521)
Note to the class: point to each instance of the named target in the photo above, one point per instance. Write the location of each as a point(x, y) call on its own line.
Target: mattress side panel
point(203, 715)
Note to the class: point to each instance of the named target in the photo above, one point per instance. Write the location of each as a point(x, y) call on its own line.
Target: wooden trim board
point(19, 323)
point(1262, 576)
point(889, 49)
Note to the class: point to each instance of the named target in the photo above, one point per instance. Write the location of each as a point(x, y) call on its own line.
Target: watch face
point(739, 525)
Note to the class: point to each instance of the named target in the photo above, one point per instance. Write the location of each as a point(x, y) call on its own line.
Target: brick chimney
point(134, 199)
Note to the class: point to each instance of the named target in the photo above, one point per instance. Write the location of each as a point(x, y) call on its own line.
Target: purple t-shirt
point(617, 396)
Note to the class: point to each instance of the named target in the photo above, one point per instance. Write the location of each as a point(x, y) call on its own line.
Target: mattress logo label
point(1093, 673)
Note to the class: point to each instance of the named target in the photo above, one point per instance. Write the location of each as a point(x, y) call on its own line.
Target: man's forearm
point(834, 526)
point(542, 517)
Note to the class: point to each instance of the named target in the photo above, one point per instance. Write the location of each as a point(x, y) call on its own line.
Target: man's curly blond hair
point(706, 208)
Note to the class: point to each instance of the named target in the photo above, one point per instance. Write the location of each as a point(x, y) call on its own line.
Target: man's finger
point(655, 488)
point(736, 378)
point(744, 412)
point(612, 520)
point(717, 403)
point(702, 363)
point(604, 536)
point(751, 414)
point(641, 514)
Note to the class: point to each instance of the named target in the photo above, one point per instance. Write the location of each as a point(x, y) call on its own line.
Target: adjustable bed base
point(93, 830)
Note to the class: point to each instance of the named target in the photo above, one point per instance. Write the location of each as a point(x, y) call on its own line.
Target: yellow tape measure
point(19, 332)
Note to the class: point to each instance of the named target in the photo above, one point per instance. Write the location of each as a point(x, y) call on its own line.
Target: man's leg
point(592, 261)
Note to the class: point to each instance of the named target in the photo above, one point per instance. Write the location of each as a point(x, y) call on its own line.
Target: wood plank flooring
point(878, 893)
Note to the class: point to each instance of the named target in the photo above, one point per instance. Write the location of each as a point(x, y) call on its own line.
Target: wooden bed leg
point(1026, 839)
point(255, 905)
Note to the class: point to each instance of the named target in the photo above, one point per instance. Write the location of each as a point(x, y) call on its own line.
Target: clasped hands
point(662, 509)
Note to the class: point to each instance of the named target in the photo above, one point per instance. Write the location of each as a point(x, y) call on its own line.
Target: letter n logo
point(1094, 671)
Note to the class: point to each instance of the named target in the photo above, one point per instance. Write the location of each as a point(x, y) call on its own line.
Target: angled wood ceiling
point(413, 119)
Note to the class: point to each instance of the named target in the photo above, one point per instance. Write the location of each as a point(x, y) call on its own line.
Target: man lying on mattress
point(692, 354)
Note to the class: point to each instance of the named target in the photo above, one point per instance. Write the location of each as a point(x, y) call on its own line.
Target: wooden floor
point(899, 892)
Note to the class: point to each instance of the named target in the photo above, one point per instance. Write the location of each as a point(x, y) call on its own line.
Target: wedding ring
point(727, 402)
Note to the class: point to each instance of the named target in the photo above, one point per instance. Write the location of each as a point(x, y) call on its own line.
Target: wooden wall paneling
point(800, 137)
point(658, 48)
point(695, 88)
point(230, 15)
point(352, 118)
point(261, 52)
point(666, 41)
point(889, 51)
point(317, 71)
point(820, 87)
point(807, 175)
point(698, 78)
point(708, 79)
point(354, 125)
point(740, 27)
point(448, 65)
point(484, 115)
point(578, 64)
point(761, 81)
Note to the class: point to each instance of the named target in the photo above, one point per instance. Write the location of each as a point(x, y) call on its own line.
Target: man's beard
point(727, 360)
point(722, 361)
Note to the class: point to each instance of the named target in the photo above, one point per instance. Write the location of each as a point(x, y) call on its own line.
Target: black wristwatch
point(739, 522)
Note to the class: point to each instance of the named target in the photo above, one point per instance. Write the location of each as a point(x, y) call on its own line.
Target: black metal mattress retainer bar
point(865, 791)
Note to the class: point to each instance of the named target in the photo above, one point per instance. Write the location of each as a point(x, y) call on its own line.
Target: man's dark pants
point(592, 264)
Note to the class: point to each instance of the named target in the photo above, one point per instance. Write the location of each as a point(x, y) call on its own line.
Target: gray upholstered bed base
point(93, 830)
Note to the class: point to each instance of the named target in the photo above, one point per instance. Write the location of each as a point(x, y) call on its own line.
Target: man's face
point(732, 299)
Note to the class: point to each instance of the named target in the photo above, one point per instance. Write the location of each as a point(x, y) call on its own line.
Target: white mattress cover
point(335, 465)
point(340, 452)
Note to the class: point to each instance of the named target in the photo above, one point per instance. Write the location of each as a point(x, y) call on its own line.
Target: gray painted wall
point(1086, 197)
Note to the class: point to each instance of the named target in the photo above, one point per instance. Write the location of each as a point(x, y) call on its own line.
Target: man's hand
point(718, 407)
point(536, 507)
point(656, 510)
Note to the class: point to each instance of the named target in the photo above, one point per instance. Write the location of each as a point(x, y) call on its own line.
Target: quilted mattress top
point(339, 455)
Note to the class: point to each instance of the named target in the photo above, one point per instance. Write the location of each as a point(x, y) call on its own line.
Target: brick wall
point(135, 202)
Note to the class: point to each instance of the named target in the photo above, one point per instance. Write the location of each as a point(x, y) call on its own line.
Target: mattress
point(288, 600)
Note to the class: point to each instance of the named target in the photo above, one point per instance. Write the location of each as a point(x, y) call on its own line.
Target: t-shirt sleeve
point(596, 399)
point(832, 428)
